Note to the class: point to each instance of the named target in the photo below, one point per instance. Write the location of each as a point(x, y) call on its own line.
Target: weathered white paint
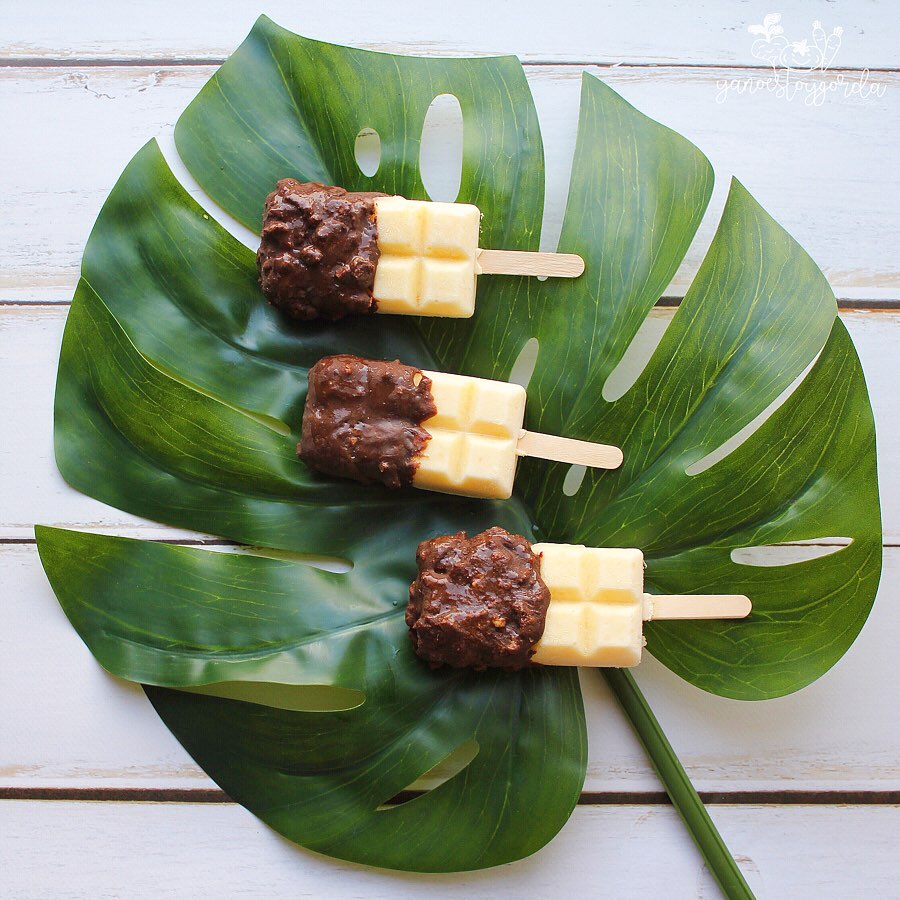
point(74, 725)
point(175, 850)
point(643, 31)
point(827, 173)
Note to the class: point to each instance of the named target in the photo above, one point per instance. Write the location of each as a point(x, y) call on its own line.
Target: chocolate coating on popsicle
point(362, 419)
point(477, 602)
point(318, 250)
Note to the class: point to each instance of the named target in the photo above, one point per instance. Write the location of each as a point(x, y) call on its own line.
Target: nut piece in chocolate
point(362, 419)
point(477, 602)
point(318, 250)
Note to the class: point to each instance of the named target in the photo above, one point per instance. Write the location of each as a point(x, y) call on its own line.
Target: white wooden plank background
point(603, 852)
point(82, 88)
point(643, 31)
point(828, 174)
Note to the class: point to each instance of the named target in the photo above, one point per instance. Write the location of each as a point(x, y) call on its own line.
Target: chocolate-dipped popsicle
point(387, 422)
point(496, 601)
point(326, 252)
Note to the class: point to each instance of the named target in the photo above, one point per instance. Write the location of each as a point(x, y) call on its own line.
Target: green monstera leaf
point(323, 777)
point(179, 399)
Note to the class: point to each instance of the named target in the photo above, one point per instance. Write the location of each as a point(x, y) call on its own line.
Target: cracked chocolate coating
point(477, 602)
point(362, 419)
point(318, 250)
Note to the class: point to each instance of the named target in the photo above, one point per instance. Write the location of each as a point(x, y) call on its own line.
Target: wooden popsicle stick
point(524, 262)
point(698, 606)
point(568, 450)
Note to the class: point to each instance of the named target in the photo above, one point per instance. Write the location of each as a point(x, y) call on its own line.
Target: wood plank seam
point(868, 304)
point(61, 62)
point(587, 798)
point(197, 542)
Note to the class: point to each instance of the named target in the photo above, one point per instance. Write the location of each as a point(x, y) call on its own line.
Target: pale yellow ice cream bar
point(427, 262)
point(598, 606)
point(473, 445)
point(477, 437)
point(429, 258)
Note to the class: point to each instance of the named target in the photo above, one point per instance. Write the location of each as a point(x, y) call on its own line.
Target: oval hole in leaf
point(441, 148)
point(449, 767)
point(573, 480)
point(635, 358)
point(735, 441)
point(523, 367)
point(367, 151)
point(297, 697)
point(773, 555)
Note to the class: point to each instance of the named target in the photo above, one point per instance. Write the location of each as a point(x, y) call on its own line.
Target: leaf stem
point(677, 784)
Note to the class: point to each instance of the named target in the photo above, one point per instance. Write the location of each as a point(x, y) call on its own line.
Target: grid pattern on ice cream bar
point(470, 464)
point(596, 606)
point(472, 449)
point(592, 574)
point(427, 257)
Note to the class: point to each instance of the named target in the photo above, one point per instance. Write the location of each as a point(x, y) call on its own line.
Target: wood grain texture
point(173, 850)
point(827, 173)
point(698, 606)
point(76, 726)
point(644, 31)
point(561, 449)
point(523, 262)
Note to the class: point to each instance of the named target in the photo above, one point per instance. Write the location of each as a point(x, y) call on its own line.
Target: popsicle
point(326, 252)
point(598, 606)
point(386, 422)
point(495, 601)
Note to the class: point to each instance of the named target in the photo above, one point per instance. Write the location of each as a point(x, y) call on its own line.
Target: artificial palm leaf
point(179, 399)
